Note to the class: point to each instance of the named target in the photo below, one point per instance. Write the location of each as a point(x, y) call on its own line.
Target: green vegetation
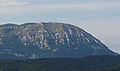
point(90, 63)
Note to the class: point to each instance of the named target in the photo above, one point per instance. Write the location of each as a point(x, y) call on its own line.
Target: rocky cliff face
point(47, 40)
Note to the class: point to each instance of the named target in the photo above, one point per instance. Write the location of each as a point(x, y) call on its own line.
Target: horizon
point(99, 18)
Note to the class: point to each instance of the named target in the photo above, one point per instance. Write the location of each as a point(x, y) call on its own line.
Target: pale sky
point(101, 18)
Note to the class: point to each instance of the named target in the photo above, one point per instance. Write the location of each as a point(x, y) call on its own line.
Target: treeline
point(90, 63)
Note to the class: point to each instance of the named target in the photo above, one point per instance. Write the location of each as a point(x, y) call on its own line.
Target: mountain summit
point(48, 40)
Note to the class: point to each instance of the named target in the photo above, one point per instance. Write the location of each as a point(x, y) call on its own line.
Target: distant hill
point(90, 63)
point(48, 40)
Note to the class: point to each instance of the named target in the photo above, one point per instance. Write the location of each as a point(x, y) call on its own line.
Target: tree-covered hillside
point(90, 63)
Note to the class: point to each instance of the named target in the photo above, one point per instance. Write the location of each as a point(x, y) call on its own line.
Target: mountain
point(48, 40)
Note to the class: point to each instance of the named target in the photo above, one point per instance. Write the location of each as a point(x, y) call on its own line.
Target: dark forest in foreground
point(90, 63)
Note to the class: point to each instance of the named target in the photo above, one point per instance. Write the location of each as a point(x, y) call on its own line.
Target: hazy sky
point(98, 17)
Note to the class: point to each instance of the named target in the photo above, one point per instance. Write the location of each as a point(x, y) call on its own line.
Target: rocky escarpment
point(48, 40)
